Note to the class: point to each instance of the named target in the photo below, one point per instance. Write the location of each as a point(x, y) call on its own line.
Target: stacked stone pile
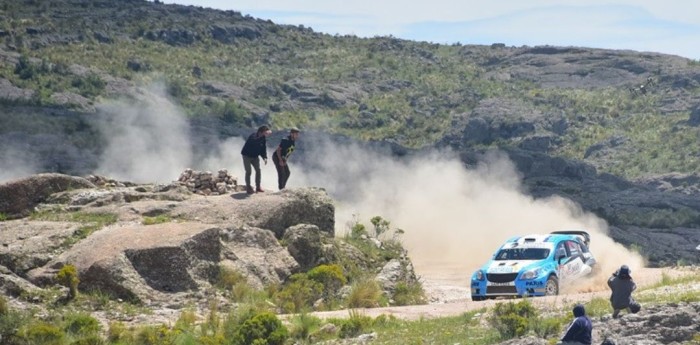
point(206, 183)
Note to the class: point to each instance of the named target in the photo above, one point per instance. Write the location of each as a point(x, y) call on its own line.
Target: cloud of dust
point(16, 163)
point(226, 155)
point(146, 140)
point(454, 218)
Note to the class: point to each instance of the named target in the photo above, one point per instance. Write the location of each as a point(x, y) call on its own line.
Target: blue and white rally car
point(534, 265)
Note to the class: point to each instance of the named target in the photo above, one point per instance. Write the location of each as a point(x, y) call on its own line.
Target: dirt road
point(449, 294)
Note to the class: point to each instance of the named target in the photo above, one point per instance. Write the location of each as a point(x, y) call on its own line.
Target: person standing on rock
point(580, 330)
point(622, 285)
point(281, 155)
point(254, 148)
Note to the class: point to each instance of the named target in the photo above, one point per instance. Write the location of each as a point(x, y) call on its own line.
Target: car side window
point(574, 249)
point(561, 251)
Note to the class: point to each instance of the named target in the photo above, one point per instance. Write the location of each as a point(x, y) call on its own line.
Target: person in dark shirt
point(281, 155)
point(580, 330)
point(254, 148)
point(622, 285)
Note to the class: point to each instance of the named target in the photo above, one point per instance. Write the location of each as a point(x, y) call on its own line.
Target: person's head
point(264, 130)
point(294, 133)
point(624, 271)
point(579, 310)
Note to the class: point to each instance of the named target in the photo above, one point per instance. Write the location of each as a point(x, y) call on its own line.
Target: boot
point(249, 189)
point(259, 190)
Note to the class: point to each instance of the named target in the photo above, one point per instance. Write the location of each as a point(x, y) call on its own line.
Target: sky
point(671, 26)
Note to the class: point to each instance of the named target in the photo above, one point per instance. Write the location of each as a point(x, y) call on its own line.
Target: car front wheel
point(552, 286)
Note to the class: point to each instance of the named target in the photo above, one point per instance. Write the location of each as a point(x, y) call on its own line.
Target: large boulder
point(137, 262)
point(304, 244)
point(19, 197)
point(297, 206)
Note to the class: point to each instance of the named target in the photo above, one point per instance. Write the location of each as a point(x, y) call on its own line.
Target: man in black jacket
point(579, 331)
point(281, 155)
point(255, 147)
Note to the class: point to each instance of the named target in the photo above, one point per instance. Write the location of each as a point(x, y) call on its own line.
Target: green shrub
point(42, 333)
point(299, 293)
point(546, 327)
point(409, 294)
point(80, 323)
point(4, 308)
point(68, 277)
point(117, 332)
point(365, 293)
point(303, 325)
point(153, 335)
point(3, 217)
point(186, 321)
point(512, 319)
point(235, 282)
point(89, 86)
point(330, 276)
point(381, 225)
point(10, 322)
point(263, 328)
point(93, 339)
point(354, 325)
point(24, 68)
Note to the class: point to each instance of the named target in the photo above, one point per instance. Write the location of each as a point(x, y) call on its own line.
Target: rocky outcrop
point(306, 205)
point(18, 198)
point(304, 244)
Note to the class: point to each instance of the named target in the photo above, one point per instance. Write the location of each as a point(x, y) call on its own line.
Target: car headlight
point(479, 275)
point(530, 274)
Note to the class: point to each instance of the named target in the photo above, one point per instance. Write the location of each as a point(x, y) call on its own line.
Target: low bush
point(512, 319)
point(263, 328)
point(365, 293)
point(68, 277)
point(299, 293)
point(409, 294)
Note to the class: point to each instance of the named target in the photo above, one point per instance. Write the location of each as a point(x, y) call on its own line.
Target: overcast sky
point(670, 26)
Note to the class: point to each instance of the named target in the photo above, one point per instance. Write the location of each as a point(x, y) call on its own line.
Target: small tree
point(381, 225)
point(68, 277)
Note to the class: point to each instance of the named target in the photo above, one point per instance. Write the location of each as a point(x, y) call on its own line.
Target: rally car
point(534, 265)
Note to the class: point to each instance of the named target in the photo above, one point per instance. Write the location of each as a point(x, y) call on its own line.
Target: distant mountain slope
point(578, 122)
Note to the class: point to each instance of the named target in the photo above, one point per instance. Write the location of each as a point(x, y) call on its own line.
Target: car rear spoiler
point(585, 235)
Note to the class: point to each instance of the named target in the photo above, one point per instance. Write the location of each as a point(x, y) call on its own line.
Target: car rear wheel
point(478, 298)
point(552, 286)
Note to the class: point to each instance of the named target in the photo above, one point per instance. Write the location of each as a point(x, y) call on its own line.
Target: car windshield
point(523, 254)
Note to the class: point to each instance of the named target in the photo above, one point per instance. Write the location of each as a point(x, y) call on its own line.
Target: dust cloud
point(147, 140)
point(16, 163)
point(454, 218)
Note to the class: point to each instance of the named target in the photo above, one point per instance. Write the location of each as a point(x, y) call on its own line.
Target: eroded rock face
point(27, 245)
point(18, 198)
point(256, 253)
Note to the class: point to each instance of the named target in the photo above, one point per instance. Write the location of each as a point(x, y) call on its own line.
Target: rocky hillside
point(615, 131)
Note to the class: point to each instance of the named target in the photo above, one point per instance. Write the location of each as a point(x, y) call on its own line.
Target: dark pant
point(247, 163)
point(282, 172)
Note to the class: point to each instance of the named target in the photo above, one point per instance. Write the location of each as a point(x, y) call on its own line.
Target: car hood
point(510, 266)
